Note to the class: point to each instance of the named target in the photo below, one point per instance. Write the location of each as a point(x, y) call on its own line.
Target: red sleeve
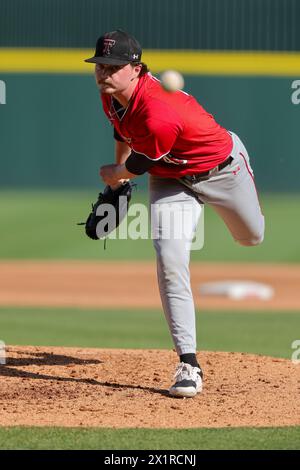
point(157, 137)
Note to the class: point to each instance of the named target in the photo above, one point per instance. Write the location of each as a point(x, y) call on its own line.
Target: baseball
point(172, 80)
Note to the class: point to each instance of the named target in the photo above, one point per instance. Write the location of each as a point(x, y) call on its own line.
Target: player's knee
point(252, 241)
point(255, 236)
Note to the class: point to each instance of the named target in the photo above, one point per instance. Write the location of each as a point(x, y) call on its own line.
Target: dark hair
point(144, 69)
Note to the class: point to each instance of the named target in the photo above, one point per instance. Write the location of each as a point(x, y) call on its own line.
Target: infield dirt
point(128, 388)
point(133, 284)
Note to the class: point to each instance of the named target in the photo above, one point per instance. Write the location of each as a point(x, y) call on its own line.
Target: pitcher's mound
point(43, 386)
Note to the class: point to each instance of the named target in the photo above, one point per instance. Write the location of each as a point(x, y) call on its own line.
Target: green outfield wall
point(54, 133)
point(159, 24)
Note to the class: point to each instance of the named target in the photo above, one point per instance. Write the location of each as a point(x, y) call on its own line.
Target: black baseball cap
point(117, 48)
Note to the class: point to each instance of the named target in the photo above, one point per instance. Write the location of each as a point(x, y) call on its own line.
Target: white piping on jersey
point(149, 158)
point(115, 112)
point(169, 160)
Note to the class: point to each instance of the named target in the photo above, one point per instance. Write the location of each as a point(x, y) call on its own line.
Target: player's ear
point(137, 69)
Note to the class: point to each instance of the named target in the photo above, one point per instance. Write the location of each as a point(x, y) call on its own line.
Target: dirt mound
point(43, 386)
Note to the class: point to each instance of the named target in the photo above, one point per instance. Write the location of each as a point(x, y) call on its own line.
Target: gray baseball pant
point(232, 194)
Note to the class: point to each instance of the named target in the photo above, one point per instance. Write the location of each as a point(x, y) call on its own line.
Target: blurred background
point(239, 58)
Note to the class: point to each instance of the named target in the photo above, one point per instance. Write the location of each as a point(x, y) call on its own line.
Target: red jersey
point(172, 129)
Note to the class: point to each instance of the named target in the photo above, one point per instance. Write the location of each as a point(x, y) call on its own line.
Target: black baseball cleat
point(188, 381)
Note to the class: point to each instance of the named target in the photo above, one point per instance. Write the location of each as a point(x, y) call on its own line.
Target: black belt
point(199, 176)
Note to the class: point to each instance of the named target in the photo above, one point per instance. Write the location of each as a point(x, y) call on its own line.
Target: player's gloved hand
point(108, 211)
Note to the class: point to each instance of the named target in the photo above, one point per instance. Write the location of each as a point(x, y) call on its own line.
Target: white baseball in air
point(172, 80)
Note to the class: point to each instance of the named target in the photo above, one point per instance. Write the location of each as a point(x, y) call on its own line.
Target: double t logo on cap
point(107, 45)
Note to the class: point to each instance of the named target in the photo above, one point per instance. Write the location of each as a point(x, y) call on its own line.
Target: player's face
point(115, 78)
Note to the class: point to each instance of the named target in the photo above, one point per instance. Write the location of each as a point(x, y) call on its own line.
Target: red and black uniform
point(170, 130)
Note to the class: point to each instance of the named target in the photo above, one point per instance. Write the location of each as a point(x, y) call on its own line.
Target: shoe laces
point(185, 371)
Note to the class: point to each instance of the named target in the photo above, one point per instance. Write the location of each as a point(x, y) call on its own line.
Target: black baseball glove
point(108, 211)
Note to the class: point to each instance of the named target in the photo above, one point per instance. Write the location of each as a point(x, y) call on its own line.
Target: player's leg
point(174, 216)
point(240, 209)
point(232, 194)
point(168, 199)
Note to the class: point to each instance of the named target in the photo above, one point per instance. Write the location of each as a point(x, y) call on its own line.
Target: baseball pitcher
point(191, 161)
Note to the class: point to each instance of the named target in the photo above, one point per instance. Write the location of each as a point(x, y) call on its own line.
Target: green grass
point(255, 332)
point(183, 439)
point(42, 224)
